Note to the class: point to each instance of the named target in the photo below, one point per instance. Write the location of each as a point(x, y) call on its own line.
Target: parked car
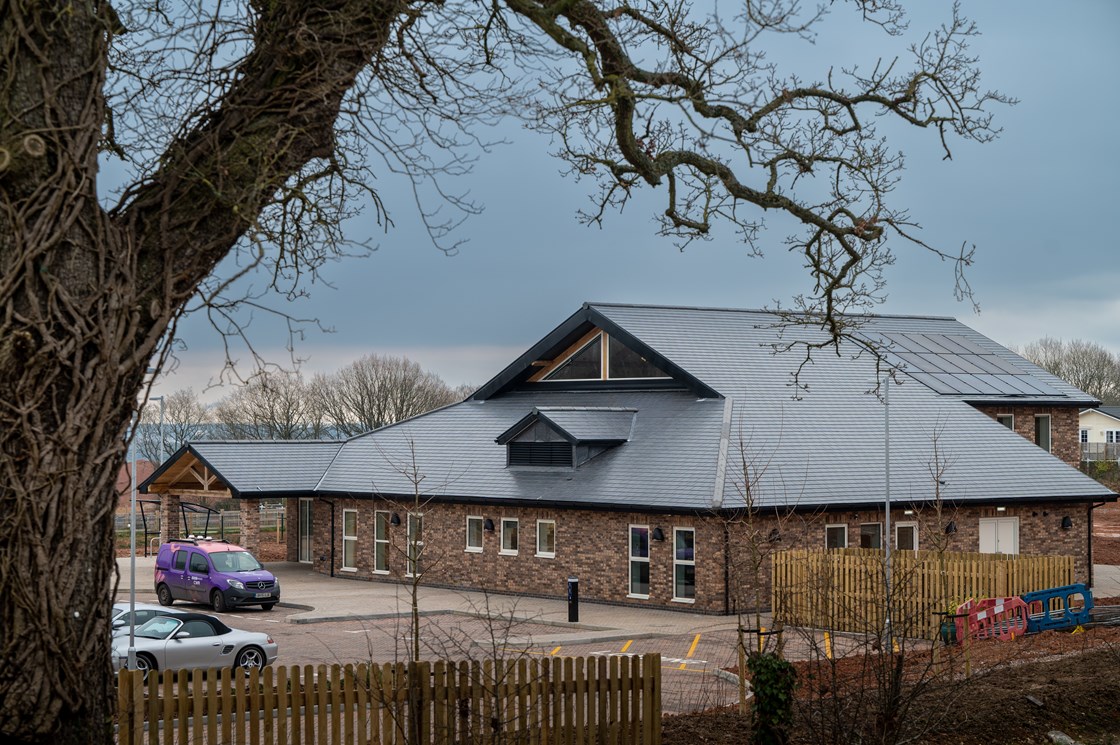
point(118, 619)
point(214, 572)
point(177, 640)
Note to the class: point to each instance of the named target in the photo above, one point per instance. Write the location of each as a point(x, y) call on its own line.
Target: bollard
point(573, 599)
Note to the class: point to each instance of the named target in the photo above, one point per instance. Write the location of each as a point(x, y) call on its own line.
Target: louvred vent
point(540, 454)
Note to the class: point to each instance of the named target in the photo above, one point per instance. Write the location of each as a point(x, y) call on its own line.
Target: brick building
point(657, 452)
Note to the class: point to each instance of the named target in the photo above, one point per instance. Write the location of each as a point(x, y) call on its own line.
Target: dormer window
point(586, 361)
point(565, 437)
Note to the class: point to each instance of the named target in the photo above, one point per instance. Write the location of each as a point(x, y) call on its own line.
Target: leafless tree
point(248, 130)
point(272, 406)
point(377, 390)
point(1085, 364)
point(185, 418)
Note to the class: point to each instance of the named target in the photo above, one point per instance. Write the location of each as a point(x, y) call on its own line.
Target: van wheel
point(268, 606)
point(163, 592)
point(218, 601)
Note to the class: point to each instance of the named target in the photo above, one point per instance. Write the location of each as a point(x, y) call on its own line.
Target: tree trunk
point(87, 296)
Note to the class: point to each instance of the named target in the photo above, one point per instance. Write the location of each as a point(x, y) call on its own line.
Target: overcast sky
point(1040, 204)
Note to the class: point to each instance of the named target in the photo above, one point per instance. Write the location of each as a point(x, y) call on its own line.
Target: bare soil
point(1106, 534)
point(1017, 692)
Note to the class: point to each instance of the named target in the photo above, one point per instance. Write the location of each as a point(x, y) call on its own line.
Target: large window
point(639, 561)
point(592, 362)
point(381, 542)
point(509, 536)
point(684, 564)
point(474, 534)
point(1042, 431)
point(871, 535)
point(836, 536)
point(349, 540)
point(585, 364)
point(546, 538)
point(999, 535)
point(415, 544)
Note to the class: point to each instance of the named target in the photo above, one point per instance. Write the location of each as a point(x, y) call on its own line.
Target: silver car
point(118, 619)
point(194, 640)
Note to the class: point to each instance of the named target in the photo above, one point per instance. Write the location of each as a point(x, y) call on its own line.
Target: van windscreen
point(235, 561)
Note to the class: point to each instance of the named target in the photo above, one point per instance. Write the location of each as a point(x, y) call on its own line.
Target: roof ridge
point(725, 309)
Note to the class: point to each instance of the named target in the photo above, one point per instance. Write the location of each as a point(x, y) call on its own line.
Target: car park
point(144, 612)
point(214, 572)
point(177, 640)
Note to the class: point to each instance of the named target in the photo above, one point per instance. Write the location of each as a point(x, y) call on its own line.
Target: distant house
point(642, 448)
point(1099, 433)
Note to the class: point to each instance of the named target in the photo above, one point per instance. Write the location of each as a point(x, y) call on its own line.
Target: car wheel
point(163, 592)
point(218, 601)
point(268, 606)
point(250, 657)
point(145, 664)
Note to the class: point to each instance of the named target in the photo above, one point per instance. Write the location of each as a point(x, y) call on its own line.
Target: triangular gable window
point(586, 362)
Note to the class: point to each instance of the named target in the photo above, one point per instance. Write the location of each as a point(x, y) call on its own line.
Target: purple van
point(217, 573)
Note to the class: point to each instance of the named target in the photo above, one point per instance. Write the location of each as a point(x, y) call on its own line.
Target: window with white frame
point(906, 536)
point(415, 540)
point(1042, 431)
point(509, 536)
point(546, 538)
point(1084, 436)
point(836, 536)
point(305, 531)
point(639, 561)
point(474, 534)
point(1111, 436)
point(684, 564)
point(871, 535)
point(1007, 420)
point(381, 542)
point(349, 540)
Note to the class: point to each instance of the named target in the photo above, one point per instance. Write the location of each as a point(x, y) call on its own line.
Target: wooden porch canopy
point(186, 475)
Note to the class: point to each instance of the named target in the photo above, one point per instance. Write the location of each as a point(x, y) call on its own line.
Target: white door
point(999, 535)
point(305, 530)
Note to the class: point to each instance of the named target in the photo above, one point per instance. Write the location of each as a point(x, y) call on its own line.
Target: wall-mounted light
point(908, 512)
point(951, 527)
point(1001, 509)
point(1067, 522)
point(658, 534)
point(488, 525)
point(395, 519)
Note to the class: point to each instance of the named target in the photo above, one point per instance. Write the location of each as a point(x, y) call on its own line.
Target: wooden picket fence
point(844, 589)
point(550, 701)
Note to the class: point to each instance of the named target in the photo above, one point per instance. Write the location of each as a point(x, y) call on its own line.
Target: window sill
point(687, 601)
point(637, 597)
point(348, 569)
point(385, 572)
point(503, 552)
point(545, 556)
point(469, 550)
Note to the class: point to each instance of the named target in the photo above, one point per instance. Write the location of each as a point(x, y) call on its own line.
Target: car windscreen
point(159, 627)
point(235, 561)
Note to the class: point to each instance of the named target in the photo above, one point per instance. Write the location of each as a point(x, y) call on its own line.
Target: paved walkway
point(323, 598)
point(1106, 581)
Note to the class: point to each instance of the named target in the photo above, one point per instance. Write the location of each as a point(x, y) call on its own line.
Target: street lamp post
point(887, 503)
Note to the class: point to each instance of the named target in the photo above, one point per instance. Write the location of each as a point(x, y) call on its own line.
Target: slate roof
point(1111, 411)
point(251, 467)
point(732, 422)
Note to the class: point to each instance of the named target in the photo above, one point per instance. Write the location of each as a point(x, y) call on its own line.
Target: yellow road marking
point(691, 650)
point(555, 652)
point(828, 645)
point(626, 646)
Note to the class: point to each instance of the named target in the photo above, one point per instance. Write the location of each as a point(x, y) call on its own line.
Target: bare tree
point(1085, 364)
point(185, 418)
point(245, 129)
point(378, 390)
point(272, 406)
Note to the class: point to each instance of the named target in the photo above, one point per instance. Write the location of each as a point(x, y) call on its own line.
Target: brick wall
point(1064, 429)
point(593, 546)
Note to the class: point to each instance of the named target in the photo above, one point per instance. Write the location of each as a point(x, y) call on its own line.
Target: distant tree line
point(1084, 364)
point(369, 393)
